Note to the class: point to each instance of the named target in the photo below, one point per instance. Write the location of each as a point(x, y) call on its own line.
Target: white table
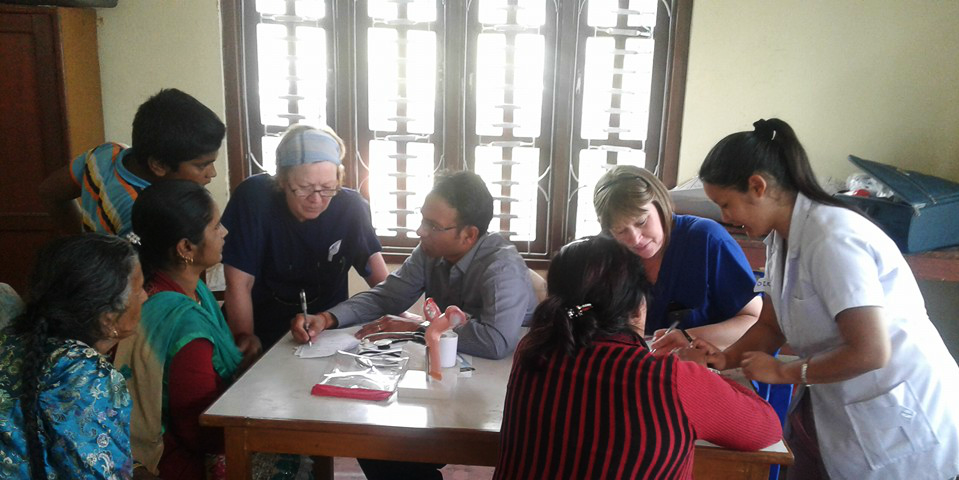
point(270, 409)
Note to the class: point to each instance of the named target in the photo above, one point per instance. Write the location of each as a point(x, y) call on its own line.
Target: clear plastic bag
point(378, 371)
point(860, 183)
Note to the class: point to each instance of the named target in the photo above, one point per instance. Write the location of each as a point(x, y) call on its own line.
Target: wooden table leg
point(238, 465)
point(322, 468)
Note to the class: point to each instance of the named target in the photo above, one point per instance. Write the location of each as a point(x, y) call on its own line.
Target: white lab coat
point(895, 422)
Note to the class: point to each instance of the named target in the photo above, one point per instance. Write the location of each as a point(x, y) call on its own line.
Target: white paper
point(417, 384)
point(328, 342)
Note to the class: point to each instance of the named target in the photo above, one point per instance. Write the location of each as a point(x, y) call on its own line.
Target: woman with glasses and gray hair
point(297, 231)
point(700, 276)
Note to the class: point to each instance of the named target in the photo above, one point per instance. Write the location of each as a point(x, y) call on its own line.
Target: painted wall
point(146, 45)
point(878, 78)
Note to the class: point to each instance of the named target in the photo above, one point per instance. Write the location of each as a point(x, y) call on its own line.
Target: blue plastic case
point(922, 215)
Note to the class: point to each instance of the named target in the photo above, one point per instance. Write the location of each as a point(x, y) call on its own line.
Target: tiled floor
point(348, 469)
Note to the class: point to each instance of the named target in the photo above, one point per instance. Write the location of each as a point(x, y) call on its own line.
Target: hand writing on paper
point(306, 327)
point(452, 318)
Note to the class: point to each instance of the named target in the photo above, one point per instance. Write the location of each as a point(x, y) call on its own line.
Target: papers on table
point(328, 342)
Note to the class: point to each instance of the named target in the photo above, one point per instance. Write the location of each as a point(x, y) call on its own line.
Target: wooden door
point(38, 96)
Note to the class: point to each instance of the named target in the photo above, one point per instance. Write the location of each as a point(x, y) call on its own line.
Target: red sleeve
point(193, 386)
point(724, 412)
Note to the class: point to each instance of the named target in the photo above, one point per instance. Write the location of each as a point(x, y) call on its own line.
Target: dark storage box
point(922, 215)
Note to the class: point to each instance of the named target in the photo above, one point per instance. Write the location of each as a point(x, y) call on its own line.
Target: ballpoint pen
point(306, 325)
point(672, 326)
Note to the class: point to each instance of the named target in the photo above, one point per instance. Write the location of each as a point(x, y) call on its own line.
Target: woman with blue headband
point(299, 230)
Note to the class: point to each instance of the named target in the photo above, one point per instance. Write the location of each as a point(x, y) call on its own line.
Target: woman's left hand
point(763, 367)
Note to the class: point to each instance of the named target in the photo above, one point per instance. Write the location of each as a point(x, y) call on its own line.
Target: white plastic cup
point(448, 349)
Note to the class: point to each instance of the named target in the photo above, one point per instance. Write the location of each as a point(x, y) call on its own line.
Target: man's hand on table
point(305, 328)
point(388, 323)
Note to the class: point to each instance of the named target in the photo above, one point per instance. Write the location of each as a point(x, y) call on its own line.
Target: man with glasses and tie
point(456, 263)
point(297, 231)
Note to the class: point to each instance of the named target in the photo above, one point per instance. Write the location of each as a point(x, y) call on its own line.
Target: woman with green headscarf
point(184, 356)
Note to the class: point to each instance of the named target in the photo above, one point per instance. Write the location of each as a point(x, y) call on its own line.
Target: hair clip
point(764, 128)
point(577, 311)
point(132, 238)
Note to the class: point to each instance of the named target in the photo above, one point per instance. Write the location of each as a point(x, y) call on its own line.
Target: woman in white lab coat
point(882, 392)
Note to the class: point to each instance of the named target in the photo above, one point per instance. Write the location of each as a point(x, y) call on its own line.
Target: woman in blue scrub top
point(884, 403)
point(298, 230)
point(700, 275)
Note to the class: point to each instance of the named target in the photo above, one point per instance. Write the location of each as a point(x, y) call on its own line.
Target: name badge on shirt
point(334, 249)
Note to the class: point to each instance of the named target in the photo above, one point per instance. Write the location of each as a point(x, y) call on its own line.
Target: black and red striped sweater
point(614, 411)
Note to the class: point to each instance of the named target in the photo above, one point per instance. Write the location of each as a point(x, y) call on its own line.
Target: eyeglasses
point(303, 192)
point(434, 228)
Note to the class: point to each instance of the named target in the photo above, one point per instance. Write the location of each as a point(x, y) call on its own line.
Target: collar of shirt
point(464, 263)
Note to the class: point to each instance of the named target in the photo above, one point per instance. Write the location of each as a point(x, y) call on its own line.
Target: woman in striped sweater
point(587, 400)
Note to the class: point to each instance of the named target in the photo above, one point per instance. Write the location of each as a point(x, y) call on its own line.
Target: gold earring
point(115, 333)
point(186, 260)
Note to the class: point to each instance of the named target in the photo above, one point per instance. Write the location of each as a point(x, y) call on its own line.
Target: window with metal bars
point(539, 97)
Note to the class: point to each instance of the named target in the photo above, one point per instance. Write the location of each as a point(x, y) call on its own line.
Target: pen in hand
point(669, 330)
point(306, 324)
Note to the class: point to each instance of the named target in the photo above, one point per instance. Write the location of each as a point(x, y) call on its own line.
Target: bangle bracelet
point(685, 334)
point(802, 372)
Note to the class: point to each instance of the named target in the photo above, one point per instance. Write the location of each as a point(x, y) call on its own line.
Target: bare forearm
point(866, 348)
point(58, 193)
point(65, 216)
point(378, 270)
point(726, 333)
point(759, 338)
point(239, 312)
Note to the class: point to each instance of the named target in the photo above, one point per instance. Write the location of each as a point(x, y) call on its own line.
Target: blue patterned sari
point(84, 416)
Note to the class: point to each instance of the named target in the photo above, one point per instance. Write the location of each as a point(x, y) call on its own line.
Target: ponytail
point(772, 150)
point(32, 367)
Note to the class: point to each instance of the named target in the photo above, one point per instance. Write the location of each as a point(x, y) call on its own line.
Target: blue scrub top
point(285, 255)
point(704, 274)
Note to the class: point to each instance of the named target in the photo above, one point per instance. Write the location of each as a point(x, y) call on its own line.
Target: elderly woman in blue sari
point(64, 409)
point(184, 356)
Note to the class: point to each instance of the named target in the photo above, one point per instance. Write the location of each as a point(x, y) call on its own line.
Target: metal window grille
point(539, 97)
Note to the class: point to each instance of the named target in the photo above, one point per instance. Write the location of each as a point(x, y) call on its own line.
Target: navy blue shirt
point(704, 275)
point(285, 255)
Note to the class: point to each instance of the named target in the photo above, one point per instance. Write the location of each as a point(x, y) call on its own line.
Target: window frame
point(662, 145)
